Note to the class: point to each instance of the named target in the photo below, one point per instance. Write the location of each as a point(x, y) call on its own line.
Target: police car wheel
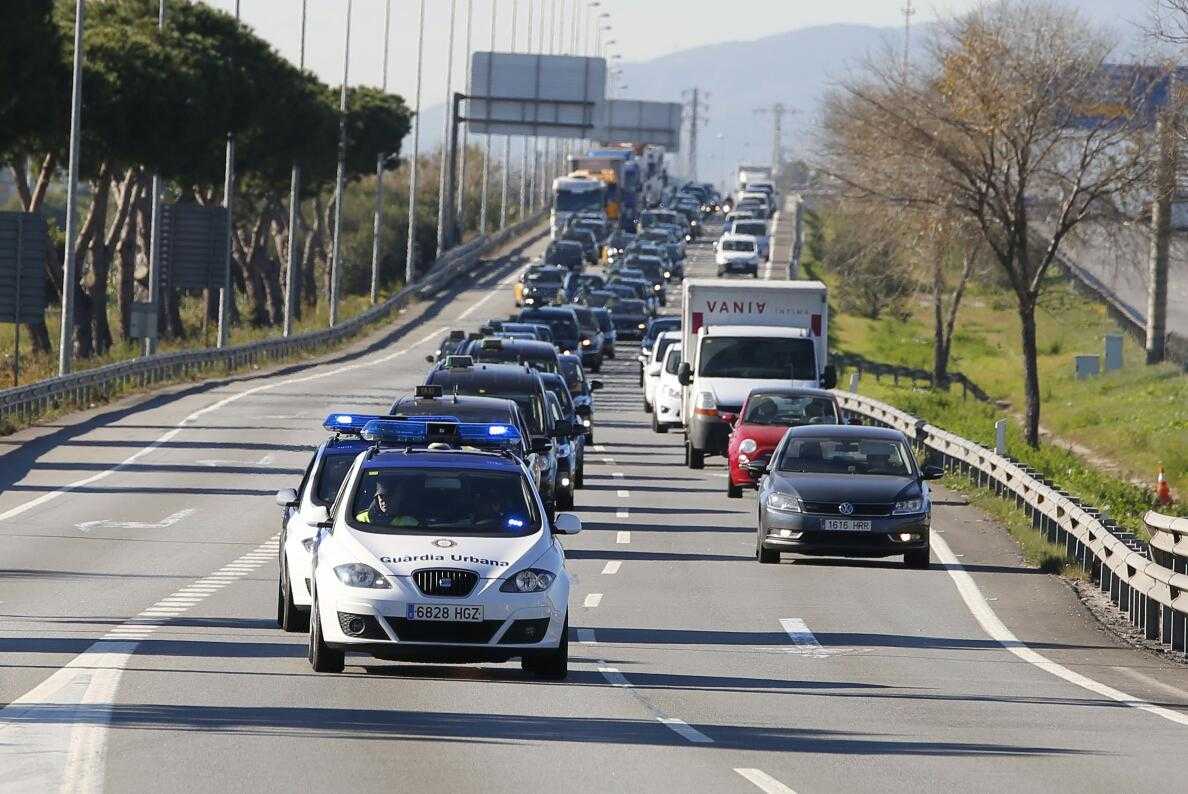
point(647, 406)
point(323, 658)
point(565, 500)
point(291, 617)
point(696, 457)
point(552, 665)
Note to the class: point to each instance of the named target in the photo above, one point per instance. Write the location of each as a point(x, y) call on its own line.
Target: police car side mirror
point(431, 359)
point(321, 517)
point(567, 524)
point(286, 497)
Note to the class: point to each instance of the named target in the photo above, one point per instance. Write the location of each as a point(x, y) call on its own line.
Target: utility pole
point(507, 138)
point(908, 13)
point(465, 128)
point(69, 278)
point(1165, 188)
point(226, 296)
point(410, 259)
point(527, 175)
point(378, 220)
point(697, 119)
point(340, 183)
point(154, 263)
point(294, 212)
point(443, 198)
point(777, 112)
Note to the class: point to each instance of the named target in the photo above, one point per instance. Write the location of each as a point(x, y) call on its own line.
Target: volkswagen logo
point(444, 543)
point(846, 509)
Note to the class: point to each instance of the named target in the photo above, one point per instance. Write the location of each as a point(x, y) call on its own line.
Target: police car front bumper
point(378, 622)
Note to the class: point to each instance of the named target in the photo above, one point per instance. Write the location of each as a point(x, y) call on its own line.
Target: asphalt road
point(139, 649)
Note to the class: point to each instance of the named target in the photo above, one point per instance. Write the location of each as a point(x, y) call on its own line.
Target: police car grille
point(445, 582)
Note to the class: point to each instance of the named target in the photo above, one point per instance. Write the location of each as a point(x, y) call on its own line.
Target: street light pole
point(226, 296)
point(154, 263)
point(410, 265)
point(66, 339)
point(378, 220)
point(525, 176)
point(487, 155)
point(294, 212)
point(507, 138)
point(443, 198)
point(461, 210)
point(340, 184)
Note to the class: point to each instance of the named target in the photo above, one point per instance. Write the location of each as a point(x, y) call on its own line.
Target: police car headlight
point(356, 574)
point(529, 580)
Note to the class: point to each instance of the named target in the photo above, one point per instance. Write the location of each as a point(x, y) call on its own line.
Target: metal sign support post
point(16, 304)
point(294, 214)
point(66, 340)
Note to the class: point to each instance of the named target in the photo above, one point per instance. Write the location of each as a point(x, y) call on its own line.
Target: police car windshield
point(329, 480)
point(444, 502)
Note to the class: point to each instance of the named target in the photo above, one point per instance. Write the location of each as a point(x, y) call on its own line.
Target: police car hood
point(489, 557)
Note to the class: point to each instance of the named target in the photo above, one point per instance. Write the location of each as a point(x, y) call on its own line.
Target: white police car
point(436, 550)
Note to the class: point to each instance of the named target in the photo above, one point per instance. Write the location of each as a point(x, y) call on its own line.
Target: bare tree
point(1004, 127)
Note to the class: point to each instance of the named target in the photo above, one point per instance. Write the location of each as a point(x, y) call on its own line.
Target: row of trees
point(164, 103)
point(994, 146)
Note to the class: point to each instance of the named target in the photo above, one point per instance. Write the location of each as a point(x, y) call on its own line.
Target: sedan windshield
point(334, 471)
point(453, 502)
point(766, 358)
point(789, 410)
point(847, 456)
point(758, 229)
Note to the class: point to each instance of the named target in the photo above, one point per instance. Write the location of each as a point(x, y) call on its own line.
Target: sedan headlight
point(657, 287)
point(784, 503)
point(668, 274)
point(586, 343)
point(747, 446)
point(909, 506)
point(529, 580)
point(585, 423)
point(356, 574)
point(642, 326)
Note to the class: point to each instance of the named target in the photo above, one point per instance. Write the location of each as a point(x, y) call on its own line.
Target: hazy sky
point(644, 29)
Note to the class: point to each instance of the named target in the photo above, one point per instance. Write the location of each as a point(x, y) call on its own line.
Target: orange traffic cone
point(1162, 492)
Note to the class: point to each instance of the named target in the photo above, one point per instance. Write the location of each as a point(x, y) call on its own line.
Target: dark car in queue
point(590, 246)
point(607, 324)
point(653, 270)
point(540, 356)
point(643, 290)
point(538, 331)
point(453, 343)
point(566, 456)
point(523, 386)
point(766, 415)
point(544, 287)
point(567, 254)
point(590, 337)
point(562, 321)
point(578, 285)
point(581, 389)
point(844, 491)
point(600, 299)
point(630, 318)
point(617, 245)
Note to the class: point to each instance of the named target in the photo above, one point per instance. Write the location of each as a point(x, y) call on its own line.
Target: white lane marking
point(624, 536)
point(764, 781)
point(614, 677)
point(599, 448)
point(66, 753)
point(593, 600)
point(624, 494)
point(686, 730)
point(164, 523)
point(618, 475)
point(622, 512)
point(806, 643)
point(265, 461)
point(993, 626)
point(612, 568)
point(586, 637)
point(169, 435)
point(609, 461)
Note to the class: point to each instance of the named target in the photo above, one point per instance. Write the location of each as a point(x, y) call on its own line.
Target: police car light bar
point(429, 429)
point(347, 423)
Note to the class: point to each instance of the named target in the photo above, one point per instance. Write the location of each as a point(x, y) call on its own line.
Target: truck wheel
point(695, 457)
point(647, 406)
point(657, 427)
point(732, 491)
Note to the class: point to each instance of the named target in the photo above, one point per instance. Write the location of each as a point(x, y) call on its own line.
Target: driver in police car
point(384, 510)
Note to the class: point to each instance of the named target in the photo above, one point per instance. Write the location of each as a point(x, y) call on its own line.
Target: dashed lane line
point(764, 782)
point(622, 512)
point(592, 600)
point(624, 536)
point(624, 494)
point(805, 643)
point(612, 568)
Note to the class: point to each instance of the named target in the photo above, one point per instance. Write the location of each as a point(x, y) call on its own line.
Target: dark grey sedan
point(844, 491)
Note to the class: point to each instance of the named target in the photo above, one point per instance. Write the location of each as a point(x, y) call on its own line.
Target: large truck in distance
point(739, 335)
point(619, 170)
point(753, 173)
point(574, 194)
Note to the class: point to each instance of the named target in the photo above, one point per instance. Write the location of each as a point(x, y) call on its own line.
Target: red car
point(762, 421)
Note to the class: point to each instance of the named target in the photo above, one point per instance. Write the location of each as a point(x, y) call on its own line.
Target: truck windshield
point(577, 201)
point(762, 358)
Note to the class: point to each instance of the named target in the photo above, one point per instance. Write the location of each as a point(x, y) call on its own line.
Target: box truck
point(739, 335)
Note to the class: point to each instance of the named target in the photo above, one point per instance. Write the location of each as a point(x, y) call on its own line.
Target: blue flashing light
point(421, 430)
point(349, 424)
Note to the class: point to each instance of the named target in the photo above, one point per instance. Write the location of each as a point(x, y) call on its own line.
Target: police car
point(439, 548)
point(303, 507)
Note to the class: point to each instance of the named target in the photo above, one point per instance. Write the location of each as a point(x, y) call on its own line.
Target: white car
point(737, 253)
point(654, 364)
point(304, 508)
point(443, 553)
point(759, 230)
point(667, 411)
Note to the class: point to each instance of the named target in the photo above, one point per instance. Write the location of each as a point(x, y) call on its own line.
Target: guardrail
point(80, 389)
point(1148, 584)
point(896, 371)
